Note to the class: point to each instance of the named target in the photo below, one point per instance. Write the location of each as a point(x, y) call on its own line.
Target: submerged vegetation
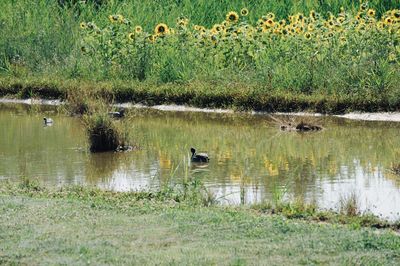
point(328, 56)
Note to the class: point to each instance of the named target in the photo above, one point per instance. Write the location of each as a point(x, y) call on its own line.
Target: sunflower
point(214, 39)
point(182, 21)
point(131, 36)
point(282, 22)
point(244, 12)
point(396, 13)
point(371, 12)
point(270, 23)
point(313, 14)
point(308, 35)
point(161, 29)
point(340, 20)
point(265, 28)
point(232, 17)
point(138, 29)
point(277, 31)
point(388, 20)
point(310, 27)
point(271, 16)
point(300, 16)
point(299, 29)
point(113, 18)
point(363, 6)
point(217, 28)
point(82, 25)
point(91, 26)
point(152, 38)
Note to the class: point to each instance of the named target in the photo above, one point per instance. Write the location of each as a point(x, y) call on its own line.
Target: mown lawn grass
point(85, 226)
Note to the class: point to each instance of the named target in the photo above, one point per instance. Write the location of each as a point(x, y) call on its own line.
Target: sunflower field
point(328, 48)
point(344, 52)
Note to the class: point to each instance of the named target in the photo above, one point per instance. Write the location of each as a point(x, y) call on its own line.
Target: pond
point(250, 158)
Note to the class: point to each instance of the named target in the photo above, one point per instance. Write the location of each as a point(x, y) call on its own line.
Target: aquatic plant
point(104, 132)
point(349, 204)
point(395, 169)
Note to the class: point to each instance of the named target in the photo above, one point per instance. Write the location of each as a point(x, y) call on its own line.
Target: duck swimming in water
point(47, 121)
point(199, 158)
point(119, 114)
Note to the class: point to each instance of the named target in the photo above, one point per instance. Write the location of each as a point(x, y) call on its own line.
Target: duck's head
point(192, 150)
point(44, 118)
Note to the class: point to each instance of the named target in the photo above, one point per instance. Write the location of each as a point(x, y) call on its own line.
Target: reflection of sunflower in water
point(244, 12)
point(371, 12)
point(131, 36)
point(138, 29)
point(82, 25)
point(232, 17)
point(161, 29)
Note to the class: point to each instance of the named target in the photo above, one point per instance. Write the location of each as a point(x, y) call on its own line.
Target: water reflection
point(249, 156)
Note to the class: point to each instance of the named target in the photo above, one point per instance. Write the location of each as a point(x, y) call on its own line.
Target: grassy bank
point(235, 95)
point(83, 225)
point(272, 56)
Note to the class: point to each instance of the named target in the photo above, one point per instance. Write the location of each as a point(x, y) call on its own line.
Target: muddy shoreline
point(360, 116)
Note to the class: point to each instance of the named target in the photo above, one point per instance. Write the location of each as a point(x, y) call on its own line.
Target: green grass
point(238, 96)
point(88, 226)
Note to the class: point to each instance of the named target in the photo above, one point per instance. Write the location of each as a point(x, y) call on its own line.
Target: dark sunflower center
point(232, 17)
point(161, 29)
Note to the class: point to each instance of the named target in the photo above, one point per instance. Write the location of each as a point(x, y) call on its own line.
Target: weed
point(349, 204)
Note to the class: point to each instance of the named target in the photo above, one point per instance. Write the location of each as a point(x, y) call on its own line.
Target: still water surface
point(250, 157)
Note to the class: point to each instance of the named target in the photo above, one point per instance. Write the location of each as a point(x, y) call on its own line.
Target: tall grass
point(44, 39)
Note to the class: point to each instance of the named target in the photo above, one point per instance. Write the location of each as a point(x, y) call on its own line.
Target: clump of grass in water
point(298, 123)
point(395, 169)
point(105, 134)
point(349, 204)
